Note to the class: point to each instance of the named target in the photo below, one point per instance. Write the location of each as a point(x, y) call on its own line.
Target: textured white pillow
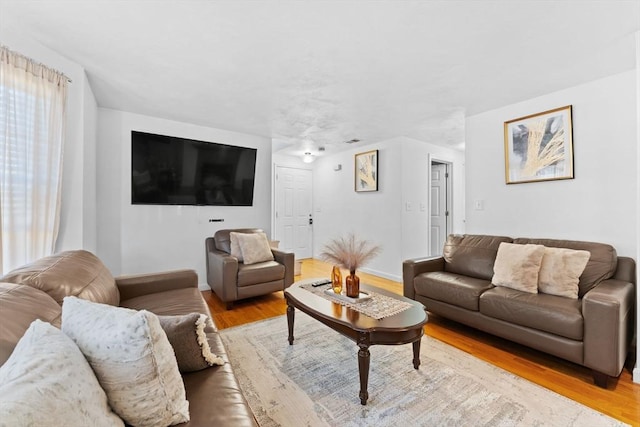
point(560, 271)
point(235, 246)
point(47, 382)
point(132, 358)
point(518, 266)
point(255, 247)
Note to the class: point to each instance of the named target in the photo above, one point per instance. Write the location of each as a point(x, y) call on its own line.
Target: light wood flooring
point(621, 400)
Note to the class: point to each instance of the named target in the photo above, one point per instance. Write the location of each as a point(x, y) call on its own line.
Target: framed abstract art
point(539, 147)
point(366, 171)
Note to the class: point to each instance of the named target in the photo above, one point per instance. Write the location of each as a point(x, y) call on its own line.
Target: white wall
point(150, 238)
point(77, 214)
point(89, 186)
point(381, 216)
point(598, 205)
point(636, 371)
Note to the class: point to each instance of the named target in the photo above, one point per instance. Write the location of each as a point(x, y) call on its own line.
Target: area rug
point(315, 382)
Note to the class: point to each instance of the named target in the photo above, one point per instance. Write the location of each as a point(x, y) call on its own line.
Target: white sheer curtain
point(32, 117)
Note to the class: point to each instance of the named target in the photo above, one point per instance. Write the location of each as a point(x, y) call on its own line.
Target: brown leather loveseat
point(595, 330)
point(36, 290)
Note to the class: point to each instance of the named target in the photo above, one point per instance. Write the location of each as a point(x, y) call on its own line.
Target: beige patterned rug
point(315, 382)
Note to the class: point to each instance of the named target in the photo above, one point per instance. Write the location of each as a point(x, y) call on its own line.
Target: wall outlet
point(409, 206)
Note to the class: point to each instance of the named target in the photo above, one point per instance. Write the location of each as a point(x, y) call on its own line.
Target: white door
point(439, 210)
point(294, 211)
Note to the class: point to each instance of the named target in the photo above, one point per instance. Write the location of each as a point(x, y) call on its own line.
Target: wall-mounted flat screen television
point(166, 170)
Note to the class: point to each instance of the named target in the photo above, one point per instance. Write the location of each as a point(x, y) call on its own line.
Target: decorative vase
point(353, 285)
point(336, 279)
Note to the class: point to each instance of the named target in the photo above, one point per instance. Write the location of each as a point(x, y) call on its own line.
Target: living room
point(599, 78)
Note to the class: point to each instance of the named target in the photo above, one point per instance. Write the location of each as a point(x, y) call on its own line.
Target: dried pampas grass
point(348, 252)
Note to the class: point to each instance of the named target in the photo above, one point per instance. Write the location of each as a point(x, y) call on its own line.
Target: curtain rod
point(3, 47)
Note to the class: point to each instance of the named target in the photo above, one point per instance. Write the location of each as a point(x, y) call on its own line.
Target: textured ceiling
point(312, 73)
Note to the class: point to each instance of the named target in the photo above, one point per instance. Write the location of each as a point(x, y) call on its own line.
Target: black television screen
point(166, 170)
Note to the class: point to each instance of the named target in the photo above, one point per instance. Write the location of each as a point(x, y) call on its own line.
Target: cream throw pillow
point(47, 382)
point(132, 359)
point(560, 271)
point(255, 247)
point(518, 266)
point(235, 246)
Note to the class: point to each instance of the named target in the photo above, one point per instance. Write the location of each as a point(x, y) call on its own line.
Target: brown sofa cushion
point(19, 306)
point(215, 397)
point(472, 255)
point(601, 266)
point(461, 291)
point(548, 313)
point(261, 272)
point(72, 273)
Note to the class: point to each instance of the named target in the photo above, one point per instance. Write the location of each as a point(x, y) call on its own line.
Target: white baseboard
point(204, 287)
point(382, 274)
point(636, 374)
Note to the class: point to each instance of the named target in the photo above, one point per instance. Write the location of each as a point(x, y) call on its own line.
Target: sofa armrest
point(413, 267)
point(222, 272)
point(608, 311)
point(132, 286)
point(626, 269)
point(288, 260)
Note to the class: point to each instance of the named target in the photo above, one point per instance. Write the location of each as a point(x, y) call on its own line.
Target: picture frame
point(366, 171)
point(539, 147)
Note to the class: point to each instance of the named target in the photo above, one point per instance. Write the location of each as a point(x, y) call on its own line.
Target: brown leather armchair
point(232, 280)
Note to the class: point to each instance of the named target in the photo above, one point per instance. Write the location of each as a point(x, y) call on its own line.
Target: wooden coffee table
point(402, 328)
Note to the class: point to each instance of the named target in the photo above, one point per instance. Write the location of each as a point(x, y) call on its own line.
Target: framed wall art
point(539, 147)
point(366, 171)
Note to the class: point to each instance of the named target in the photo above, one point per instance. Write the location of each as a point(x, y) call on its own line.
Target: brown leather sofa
point(232, 280)
point(35, 291)
point(595, 330)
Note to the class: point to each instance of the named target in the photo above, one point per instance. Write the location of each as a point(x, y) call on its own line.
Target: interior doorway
point(293, 210)
point(440, 201)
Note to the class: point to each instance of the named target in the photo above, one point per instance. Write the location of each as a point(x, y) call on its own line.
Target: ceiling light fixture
point(308, 157)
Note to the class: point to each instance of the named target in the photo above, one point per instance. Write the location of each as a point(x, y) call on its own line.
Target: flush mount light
point(308, 157)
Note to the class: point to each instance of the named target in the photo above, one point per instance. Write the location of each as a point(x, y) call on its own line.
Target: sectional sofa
point(37, 290)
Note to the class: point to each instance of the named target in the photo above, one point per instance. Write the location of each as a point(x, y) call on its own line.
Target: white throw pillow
point(518, 266)
point(560, 271)
point(235, 246)
point(47, 382)
point(132, 359)
point(255, 247)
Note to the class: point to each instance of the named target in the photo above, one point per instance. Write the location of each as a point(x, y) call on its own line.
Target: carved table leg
point(290, 319)
point(416, 353)
point(363, 367)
